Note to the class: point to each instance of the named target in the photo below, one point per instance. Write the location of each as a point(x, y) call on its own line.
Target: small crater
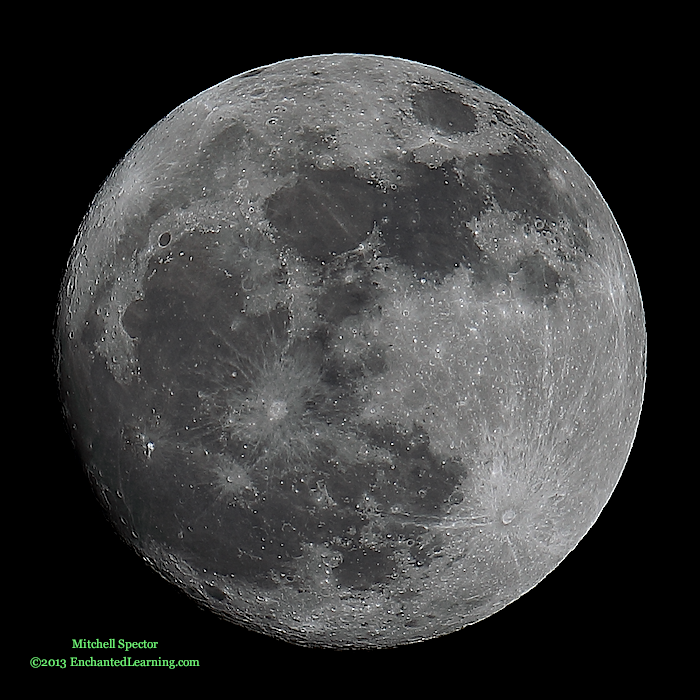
point(508, 516)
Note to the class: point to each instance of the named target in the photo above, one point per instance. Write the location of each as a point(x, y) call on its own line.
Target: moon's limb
point(354, 350)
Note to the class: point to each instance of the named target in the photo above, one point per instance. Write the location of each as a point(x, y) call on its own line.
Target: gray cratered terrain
point(352, 349)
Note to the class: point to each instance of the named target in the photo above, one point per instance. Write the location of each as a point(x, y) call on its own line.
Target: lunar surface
point(352, 349)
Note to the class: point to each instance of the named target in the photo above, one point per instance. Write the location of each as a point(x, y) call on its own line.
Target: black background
point(82, 582)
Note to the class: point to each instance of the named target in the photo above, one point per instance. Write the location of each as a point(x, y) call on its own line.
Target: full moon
point(352, 350)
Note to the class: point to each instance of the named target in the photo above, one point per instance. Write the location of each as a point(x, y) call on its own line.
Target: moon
point(352, 350)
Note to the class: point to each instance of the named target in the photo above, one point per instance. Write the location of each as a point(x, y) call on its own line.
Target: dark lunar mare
point(186, 348)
